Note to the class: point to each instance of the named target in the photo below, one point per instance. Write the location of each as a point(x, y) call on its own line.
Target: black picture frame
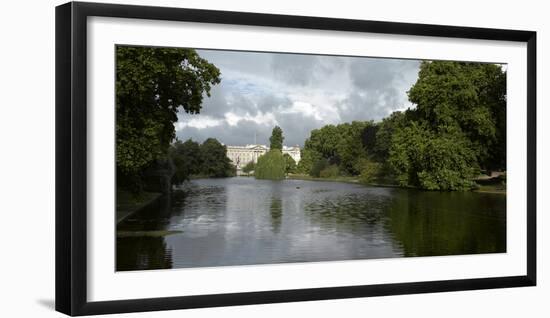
point(71, 157)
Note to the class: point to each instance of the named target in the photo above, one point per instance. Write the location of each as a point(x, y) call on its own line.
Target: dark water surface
point(238, 221)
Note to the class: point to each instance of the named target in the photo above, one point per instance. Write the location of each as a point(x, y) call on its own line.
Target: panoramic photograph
point(228, 158)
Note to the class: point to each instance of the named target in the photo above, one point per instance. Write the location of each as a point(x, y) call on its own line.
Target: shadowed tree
point(151, 85)
point(276, 139)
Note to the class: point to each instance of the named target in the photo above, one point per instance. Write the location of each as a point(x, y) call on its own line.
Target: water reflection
point(431, 223)
point(138, 253)
point(276, 212)
point(240, 221)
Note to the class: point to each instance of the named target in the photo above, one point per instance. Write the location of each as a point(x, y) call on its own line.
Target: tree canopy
point(151, 85)
point(270, 165)
point(249, 167)
point(341, 145)
point(208, 159)
point(290, 164)
point(276, 139)
point(456, 129)
point(187, 160)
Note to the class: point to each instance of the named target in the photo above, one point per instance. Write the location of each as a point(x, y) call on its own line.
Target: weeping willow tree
point(271, 166)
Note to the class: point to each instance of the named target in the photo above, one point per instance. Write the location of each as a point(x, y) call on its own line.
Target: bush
point(317, 167)
point(433, 161)
point(270, 166)
point(370, 171)
point(330, 172)
point(249, 167)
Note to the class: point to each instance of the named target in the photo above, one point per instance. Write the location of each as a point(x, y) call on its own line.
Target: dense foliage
point(276, 139)
point(151, 85)
point(208, 159)
point(187, 160)
point(249, 167)
point(271, 166)
point(456, 131)
point(340, 145)
point(290, 164)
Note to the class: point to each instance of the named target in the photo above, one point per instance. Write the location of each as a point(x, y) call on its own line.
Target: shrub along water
point(271, 166)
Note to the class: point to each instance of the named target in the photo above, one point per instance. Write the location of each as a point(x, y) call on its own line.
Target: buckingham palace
point(241, 155)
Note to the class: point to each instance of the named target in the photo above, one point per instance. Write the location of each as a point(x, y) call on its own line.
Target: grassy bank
point(340, 179)
point(493, 186)
point(128, 203)
point(335, 179)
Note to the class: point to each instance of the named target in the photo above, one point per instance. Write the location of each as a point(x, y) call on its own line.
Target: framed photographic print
point(210, 158)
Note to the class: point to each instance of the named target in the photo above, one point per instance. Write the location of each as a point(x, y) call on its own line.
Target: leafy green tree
point(187, 160)
point(379, 147)
point(331, 171)
point(214, 160)
point(318, 166)
point(456, 129)
point(370, 171)
point(276, 139)
point(249, 167)
point(271, 166)
point(432, 161)
point(290, 164)
point(324, 141)
point(350, 147)
point(151, 85)
point(341, 145)
point(465, 97)
point(308, 158)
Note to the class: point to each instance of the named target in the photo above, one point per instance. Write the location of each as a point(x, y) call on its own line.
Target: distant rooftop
point(250, 146)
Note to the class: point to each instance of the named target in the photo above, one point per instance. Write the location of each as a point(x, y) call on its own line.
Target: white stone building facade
point(241, 155)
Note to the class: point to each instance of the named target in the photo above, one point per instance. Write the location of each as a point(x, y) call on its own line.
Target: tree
point(380, 146)
point(249, 167)
point(465, 97)
point(151, 85)
point(456, 129)
point(432, 161)
point(187, 160)
point(350, 147)
point(340, 145)
point(271, 166)
point(308, 158)
point(276, 139)
point(318, 166)
point(369, 171)
point(290, 164)
point(214, 160)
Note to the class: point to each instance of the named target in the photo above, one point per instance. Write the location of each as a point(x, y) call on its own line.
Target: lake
point(242, 221)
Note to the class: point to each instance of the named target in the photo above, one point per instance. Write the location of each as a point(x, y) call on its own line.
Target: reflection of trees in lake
point(436, 223)
point(276, 212)
point(138, 253)
point(421, 223)
point(353, 212)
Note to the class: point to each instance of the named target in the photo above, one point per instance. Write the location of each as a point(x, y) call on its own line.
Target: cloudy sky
point(297, 92)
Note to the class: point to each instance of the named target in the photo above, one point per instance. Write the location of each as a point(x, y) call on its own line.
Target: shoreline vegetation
point(494, 185)
point(455, 133)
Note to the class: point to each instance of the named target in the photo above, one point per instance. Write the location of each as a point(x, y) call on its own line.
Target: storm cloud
point(297, 92)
